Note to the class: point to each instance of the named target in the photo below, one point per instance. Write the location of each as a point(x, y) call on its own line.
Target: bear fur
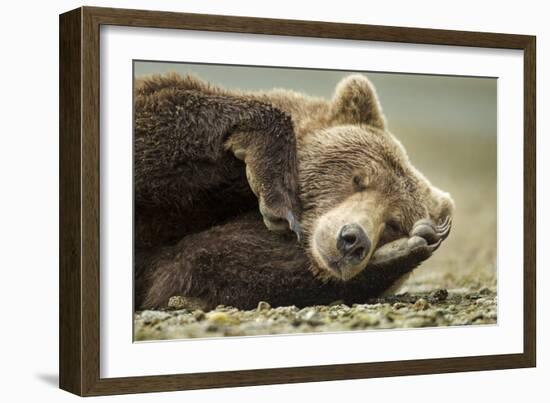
point(221, 176)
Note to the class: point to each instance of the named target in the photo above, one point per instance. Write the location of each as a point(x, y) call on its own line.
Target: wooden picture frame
point(79, 346)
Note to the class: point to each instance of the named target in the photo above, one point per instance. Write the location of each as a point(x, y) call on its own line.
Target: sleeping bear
point(274, 196)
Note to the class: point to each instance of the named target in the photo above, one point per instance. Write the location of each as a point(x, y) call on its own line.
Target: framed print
point(249, 201)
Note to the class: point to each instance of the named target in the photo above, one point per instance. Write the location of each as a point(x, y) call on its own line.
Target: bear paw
point(276, 203)
point(426, 234)
point(424, 239)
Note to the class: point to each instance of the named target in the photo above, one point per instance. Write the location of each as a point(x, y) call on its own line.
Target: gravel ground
point(439, 308)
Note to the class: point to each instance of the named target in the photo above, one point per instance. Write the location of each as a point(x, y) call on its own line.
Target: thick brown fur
point(184, 179)
point(198, 230)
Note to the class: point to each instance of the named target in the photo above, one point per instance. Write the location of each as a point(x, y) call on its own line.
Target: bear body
point(220, 178)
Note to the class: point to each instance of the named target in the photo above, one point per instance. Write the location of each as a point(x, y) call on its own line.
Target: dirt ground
point(457, 286)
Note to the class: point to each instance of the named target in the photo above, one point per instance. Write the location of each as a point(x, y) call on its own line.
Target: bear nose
point(353, 243)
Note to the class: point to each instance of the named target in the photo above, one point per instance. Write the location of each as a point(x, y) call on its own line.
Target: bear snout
point(353, 243)
point(342, 249)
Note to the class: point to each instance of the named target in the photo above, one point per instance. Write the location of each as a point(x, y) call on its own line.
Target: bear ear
point(355, 102)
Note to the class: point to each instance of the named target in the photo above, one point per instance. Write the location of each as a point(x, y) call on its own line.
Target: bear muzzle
point(346, 254)
point(353, 243)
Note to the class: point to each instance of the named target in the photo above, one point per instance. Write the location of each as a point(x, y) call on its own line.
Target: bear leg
point(181, 157)
point(238, 264)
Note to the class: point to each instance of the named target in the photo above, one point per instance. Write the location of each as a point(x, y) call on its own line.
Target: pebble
point(366, 320)
point(263, 306)
point(485, 291)
point(176, 302)
point(487, 302)
point(440, 295)
point(296, 322)
point(399, 305)
point(311, 317)
point(421, 304)
point(199, 315)
point(218, 317)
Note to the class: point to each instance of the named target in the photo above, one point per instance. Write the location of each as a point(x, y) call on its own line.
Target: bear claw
point(294, 225)
point(433, 233)
point(278, 224)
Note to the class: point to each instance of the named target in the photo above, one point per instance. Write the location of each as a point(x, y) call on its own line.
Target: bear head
point(358, 188)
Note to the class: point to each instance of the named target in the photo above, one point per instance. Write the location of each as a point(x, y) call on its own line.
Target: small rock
point(218, 317)
point(263, 306)
point(475, 316)
point(199, 315)
point(485, 291)
point(307, 313)
point(449, 318)
point(296, 322)
point(226, 308)
point(421, 304)
point(312, 318)
point(152, 317)
point(491, 314)
point(399, 305)
point(176, 302)
point(366, 320)
point(440, 295)
point(484, 301)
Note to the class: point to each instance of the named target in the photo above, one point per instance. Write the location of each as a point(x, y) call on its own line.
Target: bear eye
point(393, 225)
point(358, 183)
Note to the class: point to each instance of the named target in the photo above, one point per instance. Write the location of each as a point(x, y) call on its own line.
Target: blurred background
point(448, 125)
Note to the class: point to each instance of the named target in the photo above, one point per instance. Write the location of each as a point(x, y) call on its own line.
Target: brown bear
point(221, 176)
